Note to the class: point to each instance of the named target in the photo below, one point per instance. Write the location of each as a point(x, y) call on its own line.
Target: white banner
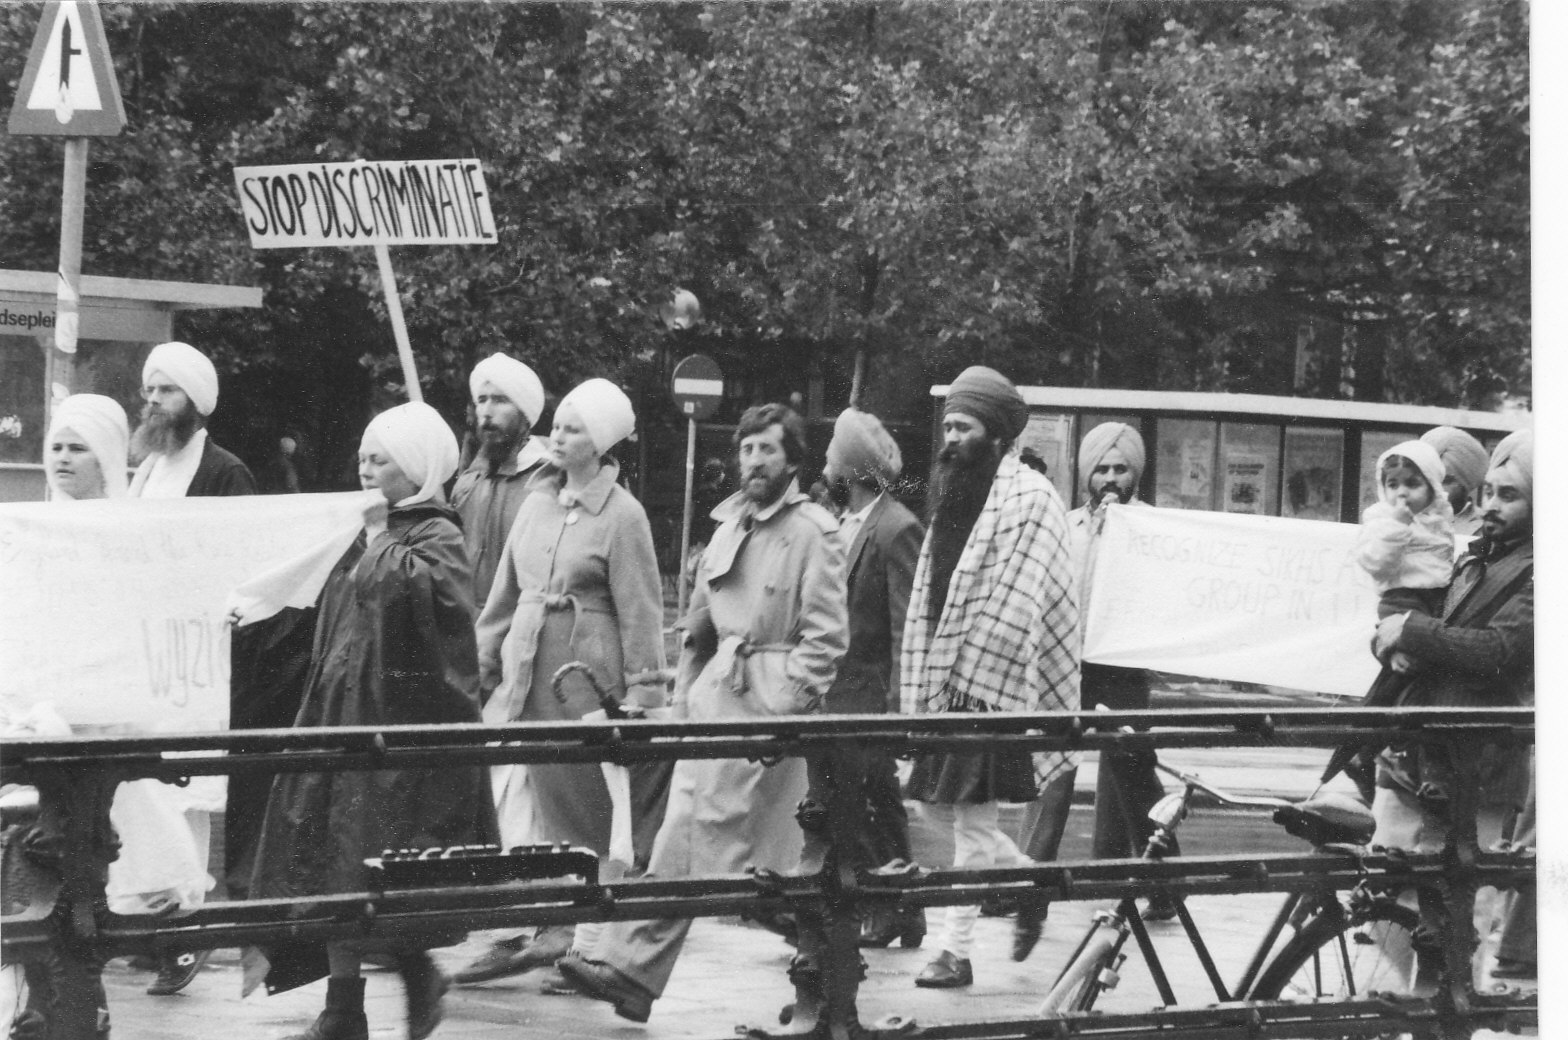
point(114, 610)
point(403, 203)
point(1227, 596)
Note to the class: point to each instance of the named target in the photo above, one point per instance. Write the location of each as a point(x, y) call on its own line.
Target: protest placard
point(1231, 596)
point(400, 203)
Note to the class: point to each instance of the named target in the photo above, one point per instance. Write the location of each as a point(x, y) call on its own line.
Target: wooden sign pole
point(68, 286)
point(405, 351)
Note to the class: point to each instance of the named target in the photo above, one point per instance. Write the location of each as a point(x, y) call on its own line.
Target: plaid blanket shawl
point(1008, 635)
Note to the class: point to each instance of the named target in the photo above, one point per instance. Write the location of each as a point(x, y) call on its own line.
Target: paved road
point(734, 974)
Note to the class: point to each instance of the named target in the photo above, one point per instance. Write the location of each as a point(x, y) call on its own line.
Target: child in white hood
point(1407, 536)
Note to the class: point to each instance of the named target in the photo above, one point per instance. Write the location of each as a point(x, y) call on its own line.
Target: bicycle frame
point(1124, 918)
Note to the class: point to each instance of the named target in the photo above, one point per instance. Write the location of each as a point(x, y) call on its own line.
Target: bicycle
point(1336, 950)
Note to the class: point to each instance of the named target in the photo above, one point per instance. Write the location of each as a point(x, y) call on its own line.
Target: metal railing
point(76, 779)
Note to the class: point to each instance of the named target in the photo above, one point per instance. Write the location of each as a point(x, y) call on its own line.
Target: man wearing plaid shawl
point(992, 626)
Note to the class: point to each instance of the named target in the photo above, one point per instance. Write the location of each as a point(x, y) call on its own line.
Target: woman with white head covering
point(394, 644)
point(578, 581)
point(85, 450)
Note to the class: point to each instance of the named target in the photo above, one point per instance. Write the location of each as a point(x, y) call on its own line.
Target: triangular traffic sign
point(69, 88)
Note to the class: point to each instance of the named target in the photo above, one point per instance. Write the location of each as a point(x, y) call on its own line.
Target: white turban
point(605, 410)
point(1516, 454)
point(100, 422)
point(422, 445)
point(189, 369)
point(1097, 444)
point(514, 379)
point(862, 449)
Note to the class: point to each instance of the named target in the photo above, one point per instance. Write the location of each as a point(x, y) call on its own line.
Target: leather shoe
point(907, 926)
point(599, 981)
point(176, 970)
point(1159, 908)
point(515, 956)
point(946, 972)
point(1510, 968)
point(1027, 927)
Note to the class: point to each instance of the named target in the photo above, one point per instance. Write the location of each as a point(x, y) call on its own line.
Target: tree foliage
point(1143, 194)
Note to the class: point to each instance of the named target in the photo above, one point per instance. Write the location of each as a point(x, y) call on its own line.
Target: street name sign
point(68, 87)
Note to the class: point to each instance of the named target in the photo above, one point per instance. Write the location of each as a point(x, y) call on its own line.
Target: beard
point(1110, 490)
point(770, 491)
point(838, 492)
point(497, 445)
point(161, 433)
point(964, 474)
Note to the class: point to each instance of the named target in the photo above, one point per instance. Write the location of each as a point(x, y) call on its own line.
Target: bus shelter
point(1310, 458)
point(121, 320)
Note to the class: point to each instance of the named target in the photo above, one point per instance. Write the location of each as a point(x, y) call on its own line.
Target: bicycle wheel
point(1336, 957)
point(1079, 984)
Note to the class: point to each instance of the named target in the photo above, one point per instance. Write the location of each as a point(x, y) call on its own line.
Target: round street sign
point(698, 385)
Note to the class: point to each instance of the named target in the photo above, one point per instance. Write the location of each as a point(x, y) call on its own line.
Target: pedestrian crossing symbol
point(68, 88)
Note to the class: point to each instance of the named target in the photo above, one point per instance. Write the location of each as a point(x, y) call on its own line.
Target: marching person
point(394, 645)
point(992, 626)
point(86, 447)
point(764, 638)
point(180, 460)
point(883, 540)
point(508, 400)
point(1479, 652)
point(577, 581)
point(1464, 468)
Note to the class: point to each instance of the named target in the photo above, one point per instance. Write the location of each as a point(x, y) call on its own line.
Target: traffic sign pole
point(68, 287)
point(682, 587)
point(698, 385)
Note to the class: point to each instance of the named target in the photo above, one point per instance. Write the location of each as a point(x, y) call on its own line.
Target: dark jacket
point(1482, 652)
point(220, 473)
point(880, 570)
point(394, 643)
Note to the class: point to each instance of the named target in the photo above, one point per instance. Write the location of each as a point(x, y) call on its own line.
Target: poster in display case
point(1249, 468)
point(1185, 474)
point(1314, 466)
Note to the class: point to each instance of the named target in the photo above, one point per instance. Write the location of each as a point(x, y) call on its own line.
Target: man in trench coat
point(765, 635)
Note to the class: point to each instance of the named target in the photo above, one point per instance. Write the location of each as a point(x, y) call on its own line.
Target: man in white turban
point(883, 544)
point(179, 459)
point(180, 388)
point(1110, 465)
point(1464, 464)
point(85, 451)
point(508, 401)
point(1478, 653)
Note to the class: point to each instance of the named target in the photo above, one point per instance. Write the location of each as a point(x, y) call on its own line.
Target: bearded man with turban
point(1464, 463)
point(508, 400)
point(394, 645)
point(1479, 653)
point(179, 459)
point(992, 626)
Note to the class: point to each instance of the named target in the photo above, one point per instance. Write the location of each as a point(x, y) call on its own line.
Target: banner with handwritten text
point(1260, 599)
point(114, 610)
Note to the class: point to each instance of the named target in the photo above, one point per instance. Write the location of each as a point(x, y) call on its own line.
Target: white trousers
point(978, 843)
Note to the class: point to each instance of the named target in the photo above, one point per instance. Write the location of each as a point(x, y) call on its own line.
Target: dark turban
point(990, 397)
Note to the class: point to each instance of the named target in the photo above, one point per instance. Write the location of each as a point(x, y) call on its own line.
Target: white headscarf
point(100, 422)
point(605, 410)
point(422, 445)
point(514, 379)
point(1425, 458)
point(189, 369)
